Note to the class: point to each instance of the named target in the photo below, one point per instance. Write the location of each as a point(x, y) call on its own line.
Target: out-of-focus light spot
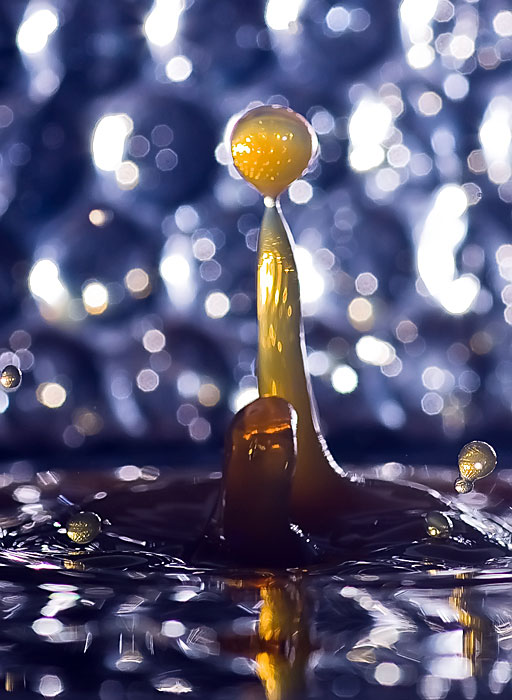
point(27, 494)
point(186, 218)
point(430, 103)
point(243, 397)
point(208, 394)
point(387, 674)
point(311, 282)
point(204, 249)
point(173, 629)
point(393, 369)
point(420, 56)
point(360, 313)
point(344, 379)
point(47, 626)
point(95, 298)
point(127, 175)
point(421, 164)
point(51, 394)
point(368, 127)
point(502, 23)
point(177, 686)
point(166, 159)
point(128, 472)
point(35, 30)
point(175, 269)
point(374, 351)
point(300, 191)
point(188, 384)
point(433, 378)
point(359, 19)
point(147, 380)
point(50, 686)
point(496, 137)
point(444, 230)
point(337, 19)
point(178, 69)
point(216, 305)
point(432, 403)
point(282, 15)
point(88, 422)
point(98, 217)
point(398, 156)
point(318, 363)
point(416, 15)
point(322, 122)
point(456, 86)
point(199, 429)
point(137, 282)
point(387, 179)
point(108, 140)
point(462, 46)
point(406, 332)
point(4, 402)
point(153, 340)
point(162, 22)
point(45, 284)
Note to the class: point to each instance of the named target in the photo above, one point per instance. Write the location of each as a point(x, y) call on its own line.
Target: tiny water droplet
point(463, 485)
point(83, 527)
point(438, 524)
point(10, 379)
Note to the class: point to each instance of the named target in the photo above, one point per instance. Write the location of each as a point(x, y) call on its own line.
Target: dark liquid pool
point(133, 616)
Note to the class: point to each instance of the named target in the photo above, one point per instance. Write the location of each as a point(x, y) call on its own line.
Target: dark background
point(404, 226)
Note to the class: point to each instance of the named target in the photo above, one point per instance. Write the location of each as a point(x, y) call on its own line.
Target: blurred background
point(127, 273)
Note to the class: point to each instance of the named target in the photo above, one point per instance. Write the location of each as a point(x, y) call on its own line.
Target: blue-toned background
point(127, 267)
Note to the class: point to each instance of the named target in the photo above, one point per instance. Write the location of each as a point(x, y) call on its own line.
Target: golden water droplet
point(271, 147)
point(438, 524)
point(476, 460)
point(83, 527)
point(463, 485)
point(10, 379)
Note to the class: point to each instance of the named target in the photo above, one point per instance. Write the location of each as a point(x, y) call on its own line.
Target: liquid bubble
point(438, 524)
point(83, 527)
point(10, 379)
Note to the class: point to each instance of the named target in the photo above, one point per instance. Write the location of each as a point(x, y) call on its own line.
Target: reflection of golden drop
point(83, 527)
point(10, 379)
point(438, 524)
point(271, 147)
point(463, 485)
point(476, 460)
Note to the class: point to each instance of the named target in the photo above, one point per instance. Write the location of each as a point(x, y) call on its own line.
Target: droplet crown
point(271, 147)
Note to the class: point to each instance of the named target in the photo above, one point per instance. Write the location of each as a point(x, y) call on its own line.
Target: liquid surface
point(130, 616)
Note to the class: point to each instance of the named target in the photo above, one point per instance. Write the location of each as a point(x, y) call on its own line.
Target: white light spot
point(282, 15)
point(47, 626)
point(51, 394)
point(128, 473)
point(374, 351)
point(311, 282)
point(344, 379)
point(108, 140)
point(50, 686)
point(175, 269)
point(502, 23)
point(387, 674)
point(162, 22)
point(300, 191)
point(430, 103)
point(188, 384)
point(243, 397)
point(44, 283)
point(420, 56)
point(147, 380)
point(368, 127)
point(173, 629)
point(153, 340)
point(95, 298)
point(318, 363)
point(216, 305)
point(178, 69)
point(337, 19)
point(36, 29)
point(432, 403)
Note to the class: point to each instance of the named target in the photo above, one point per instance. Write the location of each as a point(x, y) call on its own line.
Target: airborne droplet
point(83, 527)
point(438, 524)
point(463, 485)
point(10, 379)
point(476, 460)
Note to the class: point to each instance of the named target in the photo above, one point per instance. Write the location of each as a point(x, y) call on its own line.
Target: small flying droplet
point(463, 485)
point(83, 527)
point(476, 460)
point(10, 379)
point(438, 524)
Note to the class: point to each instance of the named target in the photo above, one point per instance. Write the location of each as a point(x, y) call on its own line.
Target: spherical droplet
point(271, 147)
point(463, 485)
point(438, 524)
point(10, 379)
point(476, 460)
point(83, 527)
